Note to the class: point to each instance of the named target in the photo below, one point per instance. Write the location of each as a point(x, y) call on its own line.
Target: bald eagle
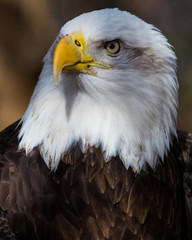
point(96, 155)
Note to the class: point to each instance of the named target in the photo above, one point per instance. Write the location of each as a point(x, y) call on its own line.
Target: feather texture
point(89, 198)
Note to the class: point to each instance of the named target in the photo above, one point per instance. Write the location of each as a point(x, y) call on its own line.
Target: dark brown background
point(28, 28)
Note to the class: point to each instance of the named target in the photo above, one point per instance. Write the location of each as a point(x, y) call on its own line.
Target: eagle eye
point(112, 47)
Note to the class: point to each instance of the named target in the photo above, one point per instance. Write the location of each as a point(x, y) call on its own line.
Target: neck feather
point(137, 131)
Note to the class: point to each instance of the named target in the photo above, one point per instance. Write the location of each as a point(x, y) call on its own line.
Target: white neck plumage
point(137, 127)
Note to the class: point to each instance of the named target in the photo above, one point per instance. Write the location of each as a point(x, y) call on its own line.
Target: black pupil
point(112, 46)
point(78, 43)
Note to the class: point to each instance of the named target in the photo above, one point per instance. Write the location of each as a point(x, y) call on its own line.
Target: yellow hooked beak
point(70, 55)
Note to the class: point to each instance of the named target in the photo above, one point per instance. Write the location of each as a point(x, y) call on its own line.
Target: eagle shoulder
point(24, 188)
point(185, 157)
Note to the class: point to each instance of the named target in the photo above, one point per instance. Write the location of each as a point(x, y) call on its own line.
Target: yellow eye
point(112, 47)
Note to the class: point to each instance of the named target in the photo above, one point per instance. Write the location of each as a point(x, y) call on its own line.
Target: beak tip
point(56, 78)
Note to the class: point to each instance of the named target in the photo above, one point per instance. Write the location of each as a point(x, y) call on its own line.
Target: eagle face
point(115, 87)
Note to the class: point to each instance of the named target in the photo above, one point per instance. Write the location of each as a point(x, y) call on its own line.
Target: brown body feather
point(90, 199)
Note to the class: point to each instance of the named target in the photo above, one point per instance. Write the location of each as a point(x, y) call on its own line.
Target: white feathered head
point(116, 87)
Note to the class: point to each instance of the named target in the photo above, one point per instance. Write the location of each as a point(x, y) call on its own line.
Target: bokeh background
point(28, 28)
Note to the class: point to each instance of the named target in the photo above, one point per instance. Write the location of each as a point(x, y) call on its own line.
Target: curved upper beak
point(70, 55)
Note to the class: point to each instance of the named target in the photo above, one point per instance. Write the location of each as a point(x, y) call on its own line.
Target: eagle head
point(108, 81)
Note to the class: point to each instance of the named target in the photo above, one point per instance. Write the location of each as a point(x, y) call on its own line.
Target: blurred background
point(28, 28)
